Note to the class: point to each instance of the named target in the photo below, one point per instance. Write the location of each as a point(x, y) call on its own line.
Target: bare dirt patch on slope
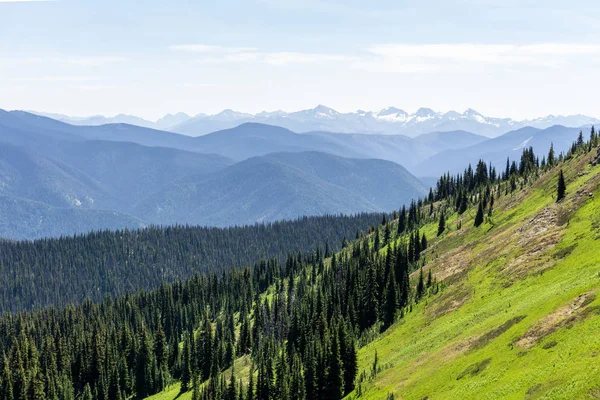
point(563, 316)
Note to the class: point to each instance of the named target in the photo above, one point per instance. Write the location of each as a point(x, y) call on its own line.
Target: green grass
point(511, 279)
point(505, 290)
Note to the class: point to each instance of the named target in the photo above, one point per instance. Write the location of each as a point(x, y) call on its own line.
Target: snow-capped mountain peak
point(392, 114)
point(390, 120)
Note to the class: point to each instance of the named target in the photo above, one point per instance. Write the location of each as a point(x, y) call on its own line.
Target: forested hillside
point(67, 270)
point(420, 307)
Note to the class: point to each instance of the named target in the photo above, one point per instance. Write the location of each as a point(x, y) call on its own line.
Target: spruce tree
point(335, 377)
point(479, 216)
point(420, 285)
point(391, 296)
point(551, 157)
point(6, 387)
point(441, 224)
point(402, 220)
point(186, 368)
point(561, 187)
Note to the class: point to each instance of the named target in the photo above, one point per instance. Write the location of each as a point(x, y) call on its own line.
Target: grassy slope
point(518, 315)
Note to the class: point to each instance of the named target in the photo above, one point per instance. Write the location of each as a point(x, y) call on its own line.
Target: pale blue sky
point(503, 58)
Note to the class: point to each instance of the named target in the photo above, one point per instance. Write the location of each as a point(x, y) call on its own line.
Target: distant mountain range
point(283, 186)
point(58, 179)
point(321, 118)
point(496, 150)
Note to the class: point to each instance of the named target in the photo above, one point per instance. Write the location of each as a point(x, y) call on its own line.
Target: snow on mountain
point(389, 120)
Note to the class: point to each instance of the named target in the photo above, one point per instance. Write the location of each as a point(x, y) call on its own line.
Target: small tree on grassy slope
point(561, 188)
point(479, 216)
point(442, 224)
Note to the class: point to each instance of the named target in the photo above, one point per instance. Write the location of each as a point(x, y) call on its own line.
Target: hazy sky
point(502, 57)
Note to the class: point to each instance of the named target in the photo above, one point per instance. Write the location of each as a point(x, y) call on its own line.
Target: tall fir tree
point(561, 187)
point(479, 216)
point(441, 224)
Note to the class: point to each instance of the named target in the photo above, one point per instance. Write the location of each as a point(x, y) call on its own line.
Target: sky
point(506, 58)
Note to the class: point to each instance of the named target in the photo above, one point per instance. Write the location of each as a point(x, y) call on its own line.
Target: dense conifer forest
point(300, 320)
point(68, 270)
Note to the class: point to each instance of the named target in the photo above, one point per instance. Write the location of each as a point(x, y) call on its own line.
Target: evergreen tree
point(402, 220)
point(186, 371)
point(19, 378)
point(390, 305)
point(87, 393)
point(441, 224)
point(335, 377)
point(551, 160)
point(561, 187)
point(420, 286)
point(6, 387)
point(479, 216)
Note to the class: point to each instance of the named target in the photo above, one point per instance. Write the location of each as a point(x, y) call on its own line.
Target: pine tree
point(402, 220)
point(38, 387)
point(420, 286)
point(479, 216)
point(391, 296)
point(186, 368)
point(441, 224)
point(561, 187)
point(6, 387)
point(143, 370)
point(429, 278)
point(551, 157)
point(19, 379)
point(87, 393)
point(335, 377)
point(387, 235)
point(580, 140)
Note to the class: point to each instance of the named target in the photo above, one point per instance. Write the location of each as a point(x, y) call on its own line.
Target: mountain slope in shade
point(364, 177)
point(282, 186)
point(22, 219)
point(401, 149)
point(130, 171)
point(498, 149)
point(29, 175)
point(251, 140)
point(248, 140)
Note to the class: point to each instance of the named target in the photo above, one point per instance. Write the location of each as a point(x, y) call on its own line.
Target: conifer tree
point(87, 393)
point(377, 243)
point(19, 379)
point(479, 216)
point(390, 305)
point(387, 235)
point(335, 377)
point(420, 286)
point(551, 160)
point(441, 224)
point(402, 220)
point(6, 387)
point(561, 187)
point(186, 371)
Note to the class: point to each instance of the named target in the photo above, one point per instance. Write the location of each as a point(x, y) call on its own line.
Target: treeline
point(61, 271)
